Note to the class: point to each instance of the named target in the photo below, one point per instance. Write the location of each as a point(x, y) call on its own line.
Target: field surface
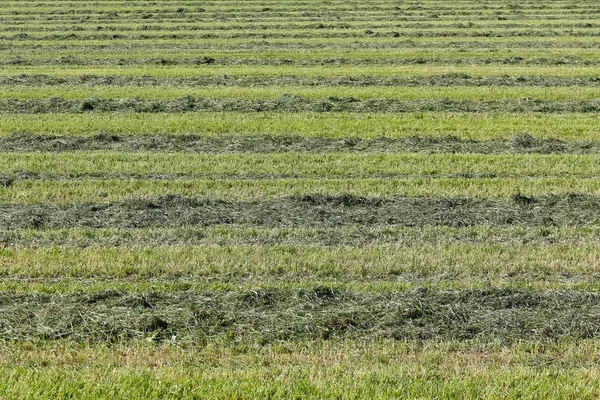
point(299, 199)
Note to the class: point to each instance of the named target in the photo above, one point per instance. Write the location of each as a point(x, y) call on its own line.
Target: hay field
point(299, 199)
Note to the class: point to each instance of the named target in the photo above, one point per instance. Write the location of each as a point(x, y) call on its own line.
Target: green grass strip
point(415, 70)
point(387, 285)
point(110, 190)
point(326, 54)
point(322, 165)
point(232, 235)
point(312, 93)
point(465, 125)
point(386, 38)
point(426, 261)
point(349, 369)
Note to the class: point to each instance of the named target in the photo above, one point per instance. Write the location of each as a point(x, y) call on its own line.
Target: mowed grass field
point(299, 199)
